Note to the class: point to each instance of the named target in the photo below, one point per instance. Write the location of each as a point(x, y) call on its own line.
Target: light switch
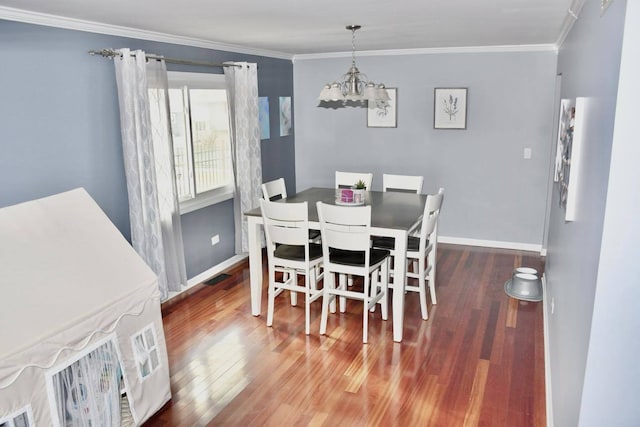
point(527, 153)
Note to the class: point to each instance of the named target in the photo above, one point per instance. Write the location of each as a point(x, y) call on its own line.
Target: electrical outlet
point(553, 305)
point(527, 153)
point(215, 240)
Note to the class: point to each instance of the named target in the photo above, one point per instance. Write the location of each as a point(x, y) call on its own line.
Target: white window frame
point(9, 419)
point(202, 81)
point(150, 327)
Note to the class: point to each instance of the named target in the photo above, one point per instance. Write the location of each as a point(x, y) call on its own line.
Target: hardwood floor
point(477, 361)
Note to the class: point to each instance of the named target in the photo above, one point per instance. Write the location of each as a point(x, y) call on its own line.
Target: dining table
point(393, 214)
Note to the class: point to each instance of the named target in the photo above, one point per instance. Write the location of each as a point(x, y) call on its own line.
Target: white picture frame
point(384, 114)
point(263, 117)
point(568, 162)
point(285, 115)
point(450, 108)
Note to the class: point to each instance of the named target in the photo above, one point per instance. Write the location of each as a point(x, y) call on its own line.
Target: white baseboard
point(491, 244)
point(547, 354)
point(206, 275)
point(216, 269)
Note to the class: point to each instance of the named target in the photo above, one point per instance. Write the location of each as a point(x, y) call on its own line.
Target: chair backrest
point(285, 224)
point(434, 202)
point(345, 227)
point(404, 183)
point(349, 179)
point(274, 190)
point(441, 194)
point(430, 217)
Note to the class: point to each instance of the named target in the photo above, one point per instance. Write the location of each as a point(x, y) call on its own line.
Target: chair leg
point(271, 297)
point(294, 295)
point(390, 268)
point(309, 278)
point(332, 303)
point(432, 276)
point(327, 297)
point(343, 285)
point(384, 284)
point(422, 289)
point(365, 309)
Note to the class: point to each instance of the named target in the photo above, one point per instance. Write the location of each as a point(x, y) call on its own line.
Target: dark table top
point(388, 209)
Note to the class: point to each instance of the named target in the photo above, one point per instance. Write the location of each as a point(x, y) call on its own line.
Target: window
point(21, 418)
point(201, 139)
point(145, 348)
point(85, 391)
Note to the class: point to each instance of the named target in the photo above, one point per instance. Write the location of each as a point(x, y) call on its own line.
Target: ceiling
point(298, 27)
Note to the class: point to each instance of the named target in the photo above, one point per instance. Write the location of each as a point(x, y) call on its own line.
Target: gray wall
point(612, 379)
point(60, 126)
point(492, 193)
point(593, 338)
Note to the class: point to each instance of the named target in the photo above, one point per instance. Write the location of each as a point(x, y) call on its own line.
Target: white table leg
point(255, 263)
point(399, 279)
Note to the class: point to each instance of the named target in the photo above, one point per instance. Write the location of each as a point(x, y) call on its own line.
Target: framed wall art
point(285, 115)
point(384, 114)
point(571, 129)
point(450, 108)
point(263, 117)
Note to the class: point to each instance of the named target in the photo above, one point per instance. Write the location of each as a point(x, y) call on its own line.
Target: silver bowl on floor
point(524, 286)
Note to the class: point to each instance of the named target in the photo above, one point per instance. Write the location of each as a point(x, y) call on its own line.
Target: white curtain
point(156, 232)
point(242, 87)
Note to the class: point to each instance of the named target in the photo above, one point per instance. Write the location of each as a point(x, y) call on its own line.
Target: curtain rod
point(112, 53)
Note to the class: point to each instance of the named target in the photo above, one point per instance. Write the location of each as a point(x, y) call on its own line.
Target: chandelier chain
point(353, 46)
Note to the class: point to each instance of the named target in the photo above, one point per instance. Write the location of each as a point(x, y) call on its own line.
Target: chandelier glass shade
point(354, 85)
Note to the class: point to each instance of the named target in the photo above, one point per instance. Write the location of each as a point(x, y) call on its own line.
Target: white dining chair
point(346, 234)
point(433, 240)
point(401, 183)
point(349, 179)
point(421, 256)
point(277, 190)
point(289, 252)
point(274, 190)
point(406, 183)
point(421, 252)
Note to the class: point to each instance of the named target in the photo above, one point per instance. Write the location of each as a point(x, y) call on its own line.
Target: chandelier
point(354, 86)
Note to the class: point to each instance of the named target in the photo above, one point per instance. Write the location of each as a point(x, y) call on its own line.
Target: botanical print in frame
point(383, 114)
point(263, 117)
point(450, 108)
point(285, 115)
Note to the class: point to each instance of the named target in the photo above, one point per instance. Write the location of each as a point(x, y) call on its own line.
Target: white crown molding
point(19, 15)
point(572, 16)
point(432, 50)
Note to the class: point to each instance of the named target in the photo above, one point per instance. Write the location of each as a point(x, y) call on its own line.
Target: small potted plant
point(358, 191)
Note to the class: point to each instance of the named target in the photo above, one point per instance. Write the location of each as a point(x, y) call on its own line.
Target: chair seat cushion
point(314, 234)
point(413, 243)
point(340, 256)
point(383, 242)
point(295, 252)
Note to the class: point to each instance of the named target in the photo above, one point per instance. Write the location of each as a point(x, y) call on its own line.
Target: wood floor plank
point(472, 416)
point(477, 361)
